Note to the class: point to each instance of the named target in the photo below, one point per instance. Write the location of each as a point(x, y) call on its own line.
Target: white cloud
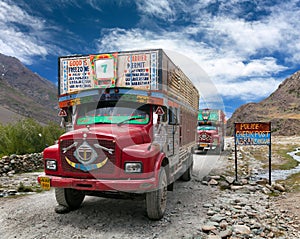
point(15, 42)
point(248, 37)
point(161, 9)
point(14, 14)
point(224, 72)
point(225, 45)
point(232, 50)
point(250, 89)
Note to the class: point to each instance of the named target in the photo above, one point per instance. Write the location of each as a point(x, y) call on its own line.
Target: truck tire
point(68, 197)
point(187, 175)
point(156, 201)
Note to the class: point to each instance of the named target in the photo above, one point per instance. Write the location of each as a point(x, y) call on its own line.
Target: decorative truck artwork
point(130, 119)
point(210, 130)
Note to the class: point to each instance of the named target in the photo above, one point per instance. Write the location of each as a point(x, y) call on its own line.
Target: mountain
point(282, 108)
point(24, 93)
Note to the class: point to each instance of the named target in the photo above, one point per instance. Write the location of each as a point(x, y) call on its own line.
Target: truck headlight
point(51, 164)
point(133, 167)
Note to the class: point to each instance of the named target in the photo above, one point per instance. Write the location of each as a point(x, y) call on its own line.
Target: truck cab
point(210, 130)
point(131, 138)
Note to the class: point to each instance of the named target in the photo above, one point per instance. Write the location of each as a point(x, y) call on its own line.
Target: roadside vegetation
point(27, 136)
point(293, 183)
point(280, 159)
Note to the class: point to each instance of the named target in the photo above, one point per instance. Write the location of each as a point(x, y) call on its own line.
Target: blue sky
point(243, 49)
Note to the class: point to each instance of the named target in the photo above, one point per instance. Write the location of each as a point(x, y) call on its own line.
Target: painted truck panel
point(130, 119)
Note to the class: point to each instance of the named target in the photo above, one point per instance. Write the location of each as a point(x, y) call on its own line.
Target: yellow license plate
point(203, 145)
point(45, 183)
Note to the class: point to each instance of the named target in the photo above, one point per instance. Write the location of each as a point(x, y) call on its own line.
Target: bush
point(27, 136)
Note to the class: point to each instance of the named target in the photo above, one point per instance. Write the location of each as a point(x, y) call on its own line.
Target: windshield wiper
point(129, 119)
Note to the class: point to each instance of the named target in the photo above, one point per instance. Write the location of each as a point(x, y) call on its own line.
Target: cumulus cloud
point(162, 9)
point(17, 39)
point(235, 51)
point(222, 70)
point(241, 46)
point(249, 90)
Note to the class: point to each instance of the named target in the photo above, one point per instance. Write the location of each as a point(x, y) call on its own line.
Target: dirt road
point(195, 210)
point(34, 217)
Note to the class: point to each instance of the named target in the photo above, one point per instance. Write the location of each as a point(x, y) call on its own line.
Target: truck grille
point(205, 137)
point(67, 152)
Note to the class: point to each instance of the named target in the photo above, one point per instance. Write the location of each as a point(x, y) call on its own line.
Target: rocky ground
point(212, 207)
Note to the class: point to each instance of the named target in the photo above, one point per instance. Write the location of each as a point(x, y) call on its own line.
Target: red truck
point(210, 130)
point(130, 119)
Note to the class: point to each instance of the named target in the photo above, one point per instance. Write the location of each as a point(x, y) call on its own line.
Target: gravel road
point(195, 209)
point(33, 216)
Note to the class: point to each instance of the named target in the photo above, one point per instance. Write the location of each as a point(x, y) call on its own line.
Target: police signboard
point(253, 133)
point(258, 133)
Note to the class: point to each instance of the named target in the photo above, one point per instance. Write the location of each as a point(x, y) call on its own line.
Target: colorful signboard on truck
point(132, 69)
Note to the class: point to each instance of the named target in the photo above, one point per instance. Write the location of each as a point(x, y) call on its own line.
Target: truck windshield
point(113, 113)
point(206, 127)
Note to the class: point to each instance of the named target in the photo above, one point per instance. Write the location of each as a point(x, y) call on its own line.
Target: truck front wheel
point(68, 197)
point(156, 201)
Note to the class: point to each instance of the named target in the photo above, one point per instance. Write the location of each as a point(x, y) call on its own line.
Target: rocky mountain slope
point(282, 108)
point(24, 93)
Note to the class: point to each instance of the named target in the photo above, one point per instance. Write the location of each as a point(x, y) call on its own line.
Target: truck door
point(160, 134)
point(173, 131)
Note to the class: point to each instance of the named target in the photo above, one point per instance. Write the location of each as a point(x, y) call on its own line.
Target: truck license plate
point(45, 183)
point(203, 145)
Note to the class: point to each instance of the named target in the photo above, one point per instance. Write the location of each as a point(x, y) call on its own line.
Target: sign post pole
point(235, 154)
point(270, 152)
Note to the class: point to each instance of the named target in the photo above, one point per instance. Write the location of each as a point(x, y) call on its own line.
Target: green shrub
point(27, 136)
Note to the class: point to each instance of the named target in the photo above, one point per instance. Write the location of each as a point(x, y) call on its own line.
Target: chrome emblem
point(85, 154)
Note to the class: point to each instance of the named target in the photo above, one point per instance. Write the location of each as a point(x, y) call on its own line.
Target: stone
point(213, 182)
point(268, 186)
point(211, 213)
point(229, 179)
point(224, 185)
point(213, 237)
point(225, 234)
point(244, 181)
point(223, 224)
point(217, 218)
point(236, 187)
point(208, 228)
point(206, 178)
point(266, 190)
point(278, 187)
point(216, 177)
point(241, 229)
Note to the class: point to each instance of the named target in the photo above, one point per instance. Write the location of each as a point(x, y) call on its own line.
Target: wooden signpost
point(254, 133)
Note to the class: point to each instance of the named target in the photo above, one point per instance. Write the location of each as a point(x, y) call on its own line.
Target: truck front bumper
point(206, 146)
point(125, 185)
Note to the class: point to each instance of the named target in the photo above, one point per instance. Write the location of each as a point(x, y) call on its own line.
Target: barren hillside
point(282, 108)
point(25, 93)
